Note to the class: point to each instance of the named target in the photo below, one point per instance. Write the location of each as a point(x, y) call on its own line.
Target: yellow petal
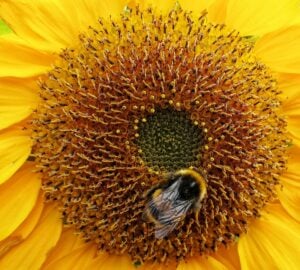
point(78, 259)
point(228, 256)
point(15, 147)
point(24, 229)
point(289, 84)
point(280, 50)
point(54, 24)
point(293, 163)
point(272, 242)
point(201, 263)
point(259, 17)
point(217, 11)
point(18, 98)
point(159, 266)
point(67, 243)
point(114, 262)
point(17, 59)
point(291, 104)
point(289, 196)
point(32, 252)
point(195, 5)
point(17, 198)
point(86, 258)
point(294, 129)
point(162, 5)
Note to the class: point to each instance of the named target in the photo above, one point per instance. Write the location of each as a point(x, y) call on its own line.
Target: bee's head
point(189, 188)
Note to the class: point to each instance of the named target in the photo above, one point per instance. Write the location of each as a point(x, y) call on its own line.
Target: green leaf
point(4, 29)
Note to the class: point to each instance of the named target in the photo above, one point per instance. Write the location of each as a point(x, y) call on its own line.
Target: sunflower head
point(146, 95)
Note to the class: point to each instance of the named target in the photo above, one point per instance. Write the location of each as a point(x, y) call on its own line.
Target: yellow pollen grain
point(152, 97)
point(163, 96)
point(144, 120)
point(152, 110)
point(143, 108)
point(196, 123)
point(209, 139)
point(135, 107)
point(171, 101)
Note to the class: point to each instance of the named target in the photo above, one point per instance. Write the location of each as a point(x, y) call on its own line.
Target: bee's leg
point(197, 218)
point(197, 207)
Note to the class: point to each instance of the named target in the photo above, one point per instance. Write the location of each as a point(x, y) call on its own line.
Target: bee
point(170, 201)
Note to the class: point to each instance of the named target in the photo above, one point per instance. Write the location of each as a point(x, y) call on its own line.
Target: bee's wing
point(170, 219)
point(168, 210)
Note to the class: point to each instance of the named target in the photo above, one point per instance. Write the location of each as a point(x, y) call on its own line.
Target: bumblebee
point(170, 201)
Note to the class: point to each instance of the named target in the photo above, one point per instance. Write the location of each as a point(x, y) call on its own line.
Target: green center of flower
point(145, 95)
point(169, 140)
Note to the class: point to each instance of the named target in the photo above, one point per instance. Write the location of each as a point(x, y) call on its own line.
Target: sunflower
point(101, 100)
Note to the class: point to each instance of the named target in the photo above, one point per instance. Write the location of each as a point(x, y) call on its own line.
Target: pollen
point(148, 94)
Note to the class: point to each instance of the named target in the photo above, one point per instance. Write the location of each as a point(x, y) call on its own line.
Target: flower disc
point(145, 95)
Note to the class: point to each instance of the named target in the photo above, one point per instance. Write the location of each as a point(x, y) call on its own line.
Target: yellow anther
point(171, 101)
point(152, 110)
point(163, 96)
